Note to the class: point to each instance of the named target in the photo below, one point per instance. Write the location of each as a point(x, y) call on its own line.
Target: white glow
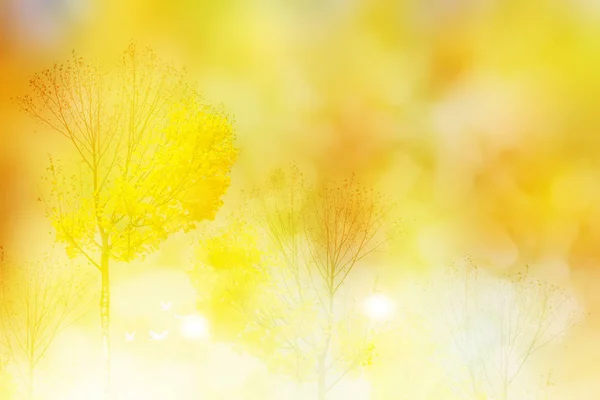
point(378, 307)
point(195, 327)
point(158, 336)
point(166, 305)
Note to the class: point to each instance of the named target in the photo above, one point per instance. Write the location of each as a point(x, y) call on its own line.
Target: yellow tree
point(275, 279)
point(151, 158)
point(40, 299)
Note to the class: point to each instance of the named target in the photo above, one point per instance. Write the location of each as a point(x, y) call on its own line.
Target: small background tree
point(39, 300)
point(276, 281)
point(150, 159)
point(496, 325)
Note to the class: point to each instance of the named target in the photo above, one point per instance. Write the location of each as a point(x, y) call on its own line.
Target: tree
point(497, 325)
point(274, 280)
point(39, 299)
point(151, 159)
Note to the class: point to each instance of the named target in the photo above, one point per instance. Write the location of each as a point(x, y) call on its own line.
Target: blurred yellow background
point(478, 116)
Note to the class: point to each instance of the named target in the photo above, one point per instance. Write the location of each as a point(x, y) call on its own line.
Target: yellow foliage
point(151, 158)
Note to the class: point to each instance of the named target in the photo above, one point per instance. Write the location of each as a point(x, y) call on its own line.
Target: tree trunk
point(30, 381)
point(322, 383)
point(105, 317)
point(505, 385)
point(322, 366)
point(505, 393)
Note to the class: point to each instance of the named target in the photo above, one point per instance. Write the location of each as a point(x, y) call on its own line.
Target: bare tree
point(496, 325)
point(300, 243)
point(39, 300)
point(345, 227)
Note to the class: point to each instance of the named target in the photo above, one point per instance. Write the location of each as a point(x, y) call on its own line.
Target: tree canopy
point(272, 279)
point(152, 157)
